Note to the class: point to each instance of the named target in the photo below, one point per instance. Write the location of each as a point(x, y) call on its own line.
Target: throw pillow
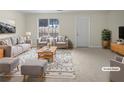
point(14, 40)
point(39, 39)
point(8, 42)
point(21, 40)
point(3, 42)
point(43, 38)
point(61, 39)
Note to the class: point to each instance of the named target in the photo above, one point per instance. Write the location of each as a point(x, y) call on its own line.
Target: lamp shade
point(28, 33)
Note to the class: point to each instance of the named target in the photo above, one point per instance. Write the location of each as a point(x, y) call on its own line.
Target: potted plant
point(106, 38)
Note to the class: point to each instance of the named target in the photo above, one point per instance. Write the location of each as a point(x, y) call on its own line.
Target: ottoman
point(33, 68)
point(8, 64)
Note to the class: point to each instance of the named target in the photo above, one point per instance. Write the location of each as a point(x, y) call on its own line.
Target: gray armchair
point(117, 76)
point(61, 42)
point(42, 41)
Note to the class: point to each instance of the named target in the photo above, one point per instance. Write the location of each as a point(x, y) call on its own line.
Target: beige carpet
point(88, 63)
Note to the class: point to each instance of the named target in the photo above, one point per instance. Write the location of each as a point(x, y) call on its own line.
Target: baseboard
point(95, 46)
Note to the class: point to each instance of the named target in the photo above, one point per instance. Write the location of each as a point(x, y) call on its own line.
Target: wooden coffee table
point(47, 53)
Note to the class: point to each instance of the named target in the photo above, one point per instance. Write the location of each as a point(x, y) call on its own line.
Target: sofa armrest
point(119, 58)
point(112, 61)
point(117, 75)
point(66, 39)
point(115, 63)
point(7, 50)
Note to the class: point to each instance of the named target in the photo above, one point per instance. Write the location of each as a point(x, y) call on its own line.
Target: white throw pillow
point(61, 39)
point(123, 60)
point(21, 40)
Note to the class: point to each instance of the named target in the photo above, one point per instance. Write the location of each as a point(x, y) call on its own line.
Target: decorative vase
point(106, 44)
point(48, 45)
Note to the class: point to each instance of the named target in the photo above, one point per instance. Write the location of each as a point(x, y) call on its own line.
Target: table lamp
point(28, 34)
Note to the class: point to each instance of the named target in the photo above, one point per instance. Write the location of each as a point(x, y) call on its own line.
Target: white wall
point(115, 19)
point(98, 23)
point(19, 20)
point(99, 20)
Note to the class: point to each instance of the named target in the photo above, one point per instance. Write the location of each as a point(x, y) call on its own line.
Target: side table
point(1, 52)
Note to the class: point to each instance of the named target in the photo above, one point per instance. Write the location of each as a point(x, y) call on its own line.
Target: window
point(48, 27)
point(43, 22)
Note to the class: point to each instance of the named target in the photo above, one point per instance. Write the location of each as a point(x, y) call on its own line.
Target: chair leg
point(111, 80)
point(24, 78)
point(7, 75)
point(43, 74)
point(17, 68)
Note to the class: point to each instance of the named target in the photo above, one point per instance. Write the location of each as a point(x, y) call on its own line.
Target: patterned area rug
point(61, 68)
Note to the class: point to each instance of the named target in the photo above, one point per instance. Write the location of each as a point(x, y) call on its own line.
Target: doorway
point(82, 31)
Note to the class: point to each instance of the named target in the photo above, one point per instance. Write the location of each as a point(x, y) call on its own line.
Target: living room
point(86, 45)
point(99, 20)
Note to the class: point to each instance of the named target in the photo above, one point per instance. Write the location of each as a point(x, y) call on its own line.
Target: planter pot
point(106, 44)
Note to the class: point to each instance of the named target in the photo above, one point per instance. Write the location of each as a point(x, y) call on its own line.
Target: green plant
point(106, 35)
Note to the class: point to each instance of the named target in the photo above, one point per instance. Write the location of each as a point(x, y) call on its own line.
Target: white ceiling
point(68, 11)
point(45, 11)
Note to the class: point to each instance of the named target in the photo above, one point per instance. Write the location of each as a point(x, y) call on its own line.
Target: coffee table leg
point(52, 60)
point(38, 55)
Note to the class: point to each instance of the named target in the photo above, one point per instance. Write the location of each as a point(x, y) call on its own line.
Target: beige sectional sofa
point(13, 46)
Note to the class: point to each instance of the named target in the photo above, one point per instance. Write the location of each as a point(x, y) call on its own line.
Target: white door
point(82, 32)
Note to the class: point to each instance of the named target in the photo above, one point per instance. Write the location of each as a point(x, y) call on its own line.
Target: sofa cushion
point(14, 40)
point(43, 42)
point(20, 49)
point(14, 50)
point(24, 46)
point(60, 42)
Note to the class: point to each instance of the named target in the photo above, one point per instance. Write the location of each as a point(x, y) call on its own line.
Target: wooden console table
point(118, 48)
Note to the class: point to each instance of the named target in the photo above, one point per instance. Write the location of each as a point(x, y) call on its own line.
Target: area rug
point(62, 67)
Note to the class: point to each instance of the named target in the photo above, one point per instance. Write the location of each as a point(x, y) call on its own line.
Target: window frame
point(54, 29)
